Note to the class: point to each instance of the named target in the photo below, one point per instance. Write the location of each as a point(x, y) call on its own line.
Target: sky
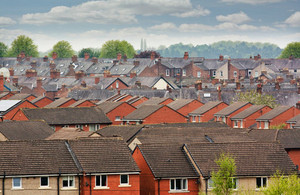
point(161, 22)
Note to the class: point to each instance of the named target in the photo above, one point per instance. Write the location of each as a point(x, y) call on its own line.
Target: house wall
point(11, 113)
point(51, 94)
point(260, 68)
point(294, 154)
point(207, 116)
point(31, 186)
point(165, 115)
point(164, 186)
point(43, 102)
point(19, 116)
point(167, 101)
point(224, 69)
point(156, 70)
point(185, 110)
point(113, 185)
point(114, 85)
point(231, 72)
point(195, 69)
point(122, 110)
point(86, 104)
point(67, 104)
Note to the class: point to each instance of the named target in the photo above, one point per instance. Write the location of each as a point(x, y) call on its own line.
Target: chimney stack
point(152, 56)
point(28, 58)
point(219, 93)
point(298, 87)
point(19, 59)
point(79, 74)
point(136, 62)
point(138, 84)
point(186, 55)
point(52, 65)
point(258, 56)
point(97, 80)
point(74, 58)
point(259, 88)
point(33, 64)
point(39, 83)
point(132, 74)
point(291, 57)
point(238, 85)
point(54, 55)
point(11, 72)
point(22, 54)
point(119, 56)
point(31, 73)
point(255, 58)
point(54, 74)
point(106, 73)
point(198, 85)
point(1, 82)
point(221, 58)
point(45, 59)
point(15, 81)
point(177, 77)
point(125, 58)
point(94, 60)
point(86, 56)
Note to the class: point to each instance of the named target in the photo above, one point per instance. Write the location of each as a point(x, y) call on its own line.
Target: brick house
point(41, 101)
point(165, 170)
point(277, 116)
point(154, 114)
point(86, 118)
point(293, 122)
point(137, 100)
point(157, 101)
point(116, 111)
point(8, 108)
point(112, 83)
point(225, 114)
point(248, 117)
point(83, 103)
point(61, 103)
point(206, 112)
point(185, 106)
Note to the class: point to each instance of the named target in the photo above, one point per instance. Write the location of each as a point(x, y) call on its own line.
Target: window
point(68, 181)
point(94, 127)
point(242, 124)
point(44, 181)
point(259, 125)
point(234, 74)
point(249, 72)
point(52, 127)
point(178, 184)
point(118, 118)
point(256, 74)
point(101, 181)
point(210, 184)
point(97, 126)
point(214, 73)
point(177, 71)
point(79, 126)
point(234, 183)
point(221, 73)
point(224, 119)
point(124, 179)
point(235, 124)
point(183, 72)
point(167, 72)
point(266, 125)
point(198, 74)
point(17, 182)
point(117, 84)
point(66, 126)
point(193, 119)
point(261, 182)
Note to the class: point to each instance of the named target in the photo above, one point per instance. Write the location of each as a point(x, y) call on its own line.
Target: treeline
point(233, 49)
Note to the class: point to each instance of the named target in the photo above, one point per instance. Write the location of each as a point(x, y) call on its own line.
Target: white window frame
point(193, 119)
point(44, 186)
point(118, 118)
point(221, 73)
point(94, 127)
point(167, 72)
point(234, 74)
point(182, 187)
point(214, 73)
point(122, 184)
point(68, 179)
point(198, 74)
point(256, 73)
point(242, 126)
point(79, 126)
point(210, 183)
point(100, 181)
point(266, 125)
point(184, 72)
point(117, 84)
point(66, 126)
point(224, 119)
point(261, 182)
point(249, 72)
point(13, 183)
point(235, 124)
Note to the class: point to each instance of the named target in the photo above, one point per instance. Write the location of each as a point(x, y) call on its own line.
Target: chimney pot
point(11, 72)
point(152, 56)
point(136, 62)
point(54, 74)
point(79, 74)
point(221, 58)
point(31, 73)
point(94, 60)
point(132, 74)
point(186, 55)
point(54, 55)
point(74, 58)
point(15, 81)
point(86, 56)
point(83, 84)
point(198, 85)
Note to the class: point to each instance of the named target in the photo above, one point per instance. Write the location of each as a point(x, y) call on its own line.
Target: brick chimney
point(94, 60)
point(255, 58)
point(86, 56)
point(39, 83)
point(250, 57)
point(79, 75)
point(31, 73)
point(258, 56)
point(52, 65)
point(221, 57)
point(259, 88)
point(132, 74)
point(198, 85)
point(45, 59)
point(22, 54)
point(97, 80)
point(177, 77)
point(15, 81)
point(152, 56)
point(83, 84)
point(74, 58)
point(186, 55)
point(119, 56)
point(54, 74)
point(219, 93)
point(33, 64)
point(277, 86)
point(106, 73)
point(136, 62)
point(1, 82)
point(54, 55)
point(238, 85)
point(11, 72)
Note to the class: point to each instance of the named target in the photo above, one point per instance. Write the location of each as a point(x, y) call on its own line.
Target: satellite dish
point(4, 72)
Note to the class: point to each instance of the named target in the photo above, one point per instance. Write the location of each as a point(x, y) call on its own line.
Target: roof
point(69, 134)
point(39, 98)
point(142, 112)
point(154, 101)
point(64, 116)
point(179, 103)
point(251, 158)
point(273, 113)
point(39, 157)
point(77, 103)
point(248, 111)
point(109, 106)
point(104, 155)
point(58, 102)
point(167, 160)
point(5, 105)
point(294, 119)
point(25, 130)
point(206, 107)
point(20, 96)
point(126, 131)
point(231, 108)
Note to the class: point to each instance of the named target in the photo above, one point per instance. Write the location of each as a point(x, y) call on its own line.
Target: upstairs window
point(124, 179)
point(221, 73)
point(101, 181)
point(234, 74)
point(198, 74)
point(17, 182)
point(44, 181)
point(178, 185)
point(261, 182)
point(167, 72)
point(68, 182)
point(183, 72)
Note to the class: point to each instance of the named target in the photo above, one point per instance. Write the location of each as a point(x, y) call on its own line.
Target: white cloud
point(114, 11)
point(293, 20)
point(163, 26)
point(236, 18)
point(6, 21)
point(253, 2)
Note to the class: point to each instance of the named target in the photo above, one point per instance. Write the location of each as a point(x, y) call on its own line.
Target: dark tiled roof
point(143, 112)
point(248, 112)
point(206, 107)
point(127, 132)
point(251, 158)
point(64, 116)
point(58, 102)
point(104, 155)
point(69, 134)
point(36, 157)
point(109, 106)
point(20, 96)
point(273, 113)
point(179, 103)
point(167, 160)
point(25, 130)
point(231, 108)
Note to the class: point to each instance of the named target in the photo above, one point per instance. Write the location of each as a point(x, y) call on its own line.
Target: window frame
point(118, 118)
point(221, 73)
point(262, 182)
point(234, 74)
point(69, 178)
point(198, 74)
point(13, 183)
point(167, 72)
point(182, 187)
point(124, 184)
point(100, 182)
point(193, 118)
point(235, 124)
point(79, 126)
point(44, 186)
point(266, 124)
point(184, 72)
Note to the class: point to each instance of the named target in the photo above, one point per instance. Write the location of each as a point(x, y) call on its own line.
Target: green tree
point(63, 49)
point(3, 49)
point(283, 185)
point(110, 49)
point(256, 98)
point(91, 51)
point(291, 49)
point(23, 43)
point(223, 179)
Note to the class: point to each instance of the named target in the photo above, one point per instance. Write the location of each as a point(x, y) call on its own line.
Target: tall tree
point(23, 43)
point(291, 49)
point(3, 49)
point(93, 52)
point(63, 49)
point(223, 179)
point(110, 49)
point(256, 98)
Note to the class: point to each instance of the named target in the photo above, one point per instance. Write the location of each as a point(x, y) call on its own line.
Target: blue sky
point(160, 22)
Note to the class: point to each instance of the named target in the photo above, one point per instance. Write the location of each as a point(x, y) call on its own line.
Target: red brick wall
point(19, 116)
point(123, 110)
point(167, 101)
point(195, 69)
point(207, 116)
point(113, 182)
point(10, 114)
point(7, 96)
point(51, 94)
point(155, 70)
point(68, 103)
point(86, 104)
point(165, 115)
point(164, 186)
point(113, 85)
point(43, 102)
point(185, 110)
point(231, 71)
point(294, 154)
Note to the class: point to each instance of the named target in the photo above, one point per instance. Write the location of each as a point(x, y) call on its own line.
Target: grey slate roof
point(20, 96)
point(69, 134)
point(153, 101)
point(109, 106)
point(294, 119)
point(126, 131)
point(273, 113)
point(206, 107)
point(231, 108)
point(179, 103)
point(248, 112)
point(58, 102)
point(65, 116)
point(142, 112)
